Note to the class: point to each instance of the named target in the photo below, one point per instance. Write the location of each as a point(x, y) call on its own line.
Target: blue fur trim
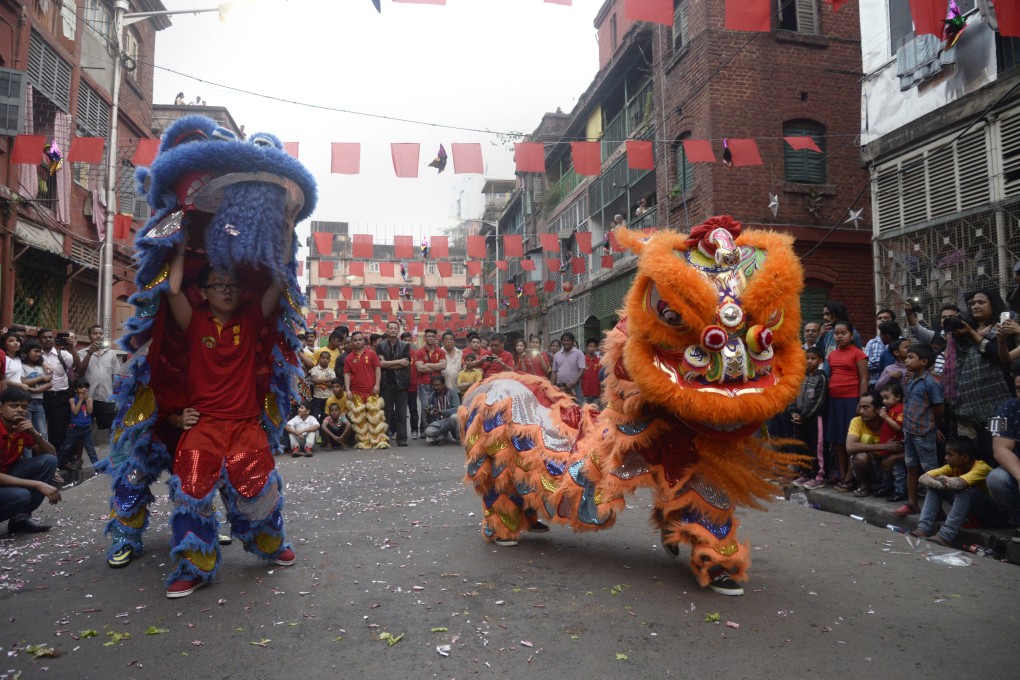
point(272, 525)
point(187, 506)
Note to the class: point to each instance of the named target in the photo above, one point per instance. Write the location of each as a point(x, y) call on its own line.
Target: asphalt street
point(393, 580)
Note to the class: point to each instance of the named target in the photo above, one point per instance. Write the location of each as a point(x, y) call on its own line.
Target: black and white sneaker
point(539, 528)
point(725, 585)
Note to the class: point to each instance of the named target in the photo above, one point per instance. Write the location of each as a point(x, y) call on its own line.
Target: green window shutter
point(12, 94)
point(805, 167)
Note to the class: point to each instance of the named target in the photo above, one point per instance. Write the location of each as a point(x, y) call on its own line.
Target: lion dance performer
point(705, 352)
point(213, 334)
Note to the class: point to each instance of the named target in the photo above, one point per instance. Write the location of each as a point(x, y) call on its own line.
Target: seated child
point(892, 469)
point(335, 429)
point(469, 376)
point(806, 415)
point(896, 370)
point(302, 428)
point(962, 482)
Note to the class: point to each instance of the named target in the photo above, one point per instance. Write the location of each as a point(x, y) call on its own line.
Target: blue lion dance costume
point(236, 195)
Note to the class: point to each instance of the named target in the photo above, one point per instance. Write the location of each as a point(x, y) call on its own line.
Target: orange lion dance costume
point(707, 349)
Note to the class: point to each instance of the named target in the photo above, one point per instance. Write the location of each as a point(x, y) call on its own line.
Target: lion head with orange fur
point(710, 328)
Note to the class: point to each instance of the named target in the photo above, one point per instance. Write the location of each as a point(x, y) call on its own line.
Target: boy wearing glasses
point(228, 447)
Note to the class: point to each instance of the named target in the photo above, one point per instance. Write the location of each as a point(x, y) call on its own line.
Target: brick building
point(56, 76)
point(697, 80)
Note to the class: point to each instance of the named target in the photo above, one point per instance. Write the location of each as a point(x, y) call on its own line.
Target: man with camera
point(441, 412)
point(949, 320)
point(58, 359)
point(99, 365)
point(494, 359)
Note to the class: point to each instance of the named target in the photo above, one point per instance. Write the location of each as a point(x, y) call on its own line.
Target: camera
point(952, 323)
point(62, 339)
point(489, 358)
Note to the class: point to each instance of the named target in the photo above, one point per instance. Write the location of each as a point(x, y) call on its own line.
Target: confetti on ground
point(264, 642)
point(42, 651)
point(116, 638)
point(712, 618)
point(152, 630)
point(621, 657)
point(390, 639)
point(444, 650)
point(733, 624)
point(439, 630)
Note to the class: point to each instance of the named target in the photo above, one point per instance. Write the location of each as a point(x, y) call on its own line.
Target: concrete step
point(879, 512)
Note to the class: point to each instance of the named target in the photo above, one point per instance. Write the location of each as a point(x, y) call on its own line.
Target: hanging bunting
point(745, 152)
point(405, 159)
point(403, 247)
point(347, 292)
point(929, 16)
point(300, 267)
point(370, 293)
point(552, 264)
point(550, 242)
point(802, 143)
point(320, 292)
point(474, 267)
point(416, 269)
point(698, 151)
point(86, 150)
point(357, 269)
point(653, 11)
point(640, 155)
point(362, 248)
point(577, 265)
point(1007, 12)
point(325, 269)
point(386, 270)
point(442, 292)
point(587, 158)
point(476, 247)
point(513, 245)
point(528, 265)
point(529, 157)
point(836, 4)
point(467, 158)
point(549, 286)
point(323, 242)
point(321, 304)
point(445, 269)
point(501, 265)
point(748, 15)
point(345, 158)
point(583, 239)
point(145, 152)
point(607, 261)
point(292, 148)
point(440, 247)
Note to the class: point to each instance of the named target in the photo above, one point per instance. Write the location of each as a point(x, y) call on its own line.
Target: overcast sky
point(487, 64)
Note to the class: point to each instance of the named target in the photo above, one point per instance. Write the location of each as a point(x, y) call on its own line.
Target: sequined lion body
point(706, 350)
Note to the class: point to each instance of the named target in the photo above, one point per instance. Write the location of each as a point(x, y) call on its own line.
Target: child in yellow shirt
point(468, 377)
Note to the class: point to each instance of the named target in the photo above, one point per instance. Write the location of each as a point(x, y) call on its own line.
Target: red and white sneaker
point(295, 452)
point(184, 587)
point(286, 557)
point(308, 452)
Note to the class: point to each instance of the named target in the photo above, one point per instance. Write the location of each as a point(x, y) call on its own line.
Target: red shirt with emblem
point(362, 369)
point(426, 357)
point(221, 369)
point(494, 367)
point(12, 445)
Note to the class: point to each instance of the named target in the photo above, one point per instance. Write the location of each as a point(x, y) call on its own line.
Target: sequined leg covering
point(129, 513)
point(258, 520)
point(194, 534)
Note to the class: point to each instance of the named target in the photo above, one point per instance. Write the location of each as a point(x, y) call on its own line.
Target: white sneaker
point(414, 435)
point(506, 542)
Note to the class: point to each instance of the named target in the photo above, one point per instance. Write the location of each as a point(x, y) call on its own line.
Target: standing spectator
point(591, 387)
point(454, 359)
point(520, 350)
point(334, 347)
point(973, 378)
point(812, 331)
point(876, 347)
point(36, 381)
point(922, 413)
point(554, 348)
point(807, 418)
point(888, 332)
point(302, 429)
point(933, 337)
point(568, 367)
point(99, 365)
point(475, 344)
point(11, 343)
point(57, 360)
point(848, 382)
point(412, 388)
point(79, 428)
point(961, 481)
point(395, 361)
point(430, 361)
point(441, 413)
point(362, 372)
point(179, 99)
point(897, 369)
point(834, 311)
point(321, 376)
point(535, 361)
point(24, 482)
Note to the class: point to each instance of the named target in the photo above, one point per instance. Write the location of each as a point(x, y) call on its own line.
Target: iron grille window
point(805, 166)
point(37, 295)
point(12, 95)
point(48, 72)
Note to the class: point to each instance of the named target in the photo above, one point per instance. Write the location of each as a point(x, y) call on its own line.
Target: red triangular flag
point(490, 289)
point(801, 143)
point(325, 269)
point(529, 156)
point(440, 247)
point(654, 11)
point(474, 267)
point(86, 150)
point(403, 247)
point(698, 151)
point(476, 247)
point(28, 149)
point(467, 158)
point(393, 292)
point(534, 302)
point(321, 304)
point(418, 292)
point(146, 152)
point(583, 239)
point(323, 242)
point(362, 248)
point(445, 269)
point(529, 288)
point(748, 15)
point(405, 159)
point(370, 293)
point(320, 292)
point(292, 148)
point(513, 246)
point(587, 158)
point(550, 242)
point(345, 158)
point(745, 152)
point(347, 291)
point(640, 155)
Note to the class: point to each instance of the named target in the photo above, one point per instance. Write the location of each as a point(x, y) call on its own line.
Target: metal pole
point(120, 8)
point(499, 294)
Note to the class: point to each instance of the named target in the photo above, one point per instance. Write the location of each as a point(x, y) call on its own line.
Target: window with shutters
point(97, 17)
point(804, 166)
point(92, 120)
point(12, 97)
point(684, 168)
point(798, 15)
point(131, 50)
point(48, 72)
point(1009, 136)
point(679, 24)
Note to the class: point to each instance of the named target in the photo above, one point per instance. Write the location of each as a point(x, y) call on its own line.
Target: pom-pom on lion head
point(712, 324)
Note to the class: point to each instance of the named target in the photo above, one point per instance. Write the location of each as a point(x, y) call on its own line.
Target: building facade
point(697, 80)
point(941, 140)
point(56, 78)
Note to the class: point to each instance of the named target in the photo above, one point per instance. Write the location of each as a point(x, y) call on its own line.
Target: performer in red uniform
point(227, 449)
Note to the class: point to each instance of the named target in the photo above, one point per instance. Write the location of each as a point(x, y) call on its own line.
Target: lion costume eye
point(263, 140)
point(663, 311)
